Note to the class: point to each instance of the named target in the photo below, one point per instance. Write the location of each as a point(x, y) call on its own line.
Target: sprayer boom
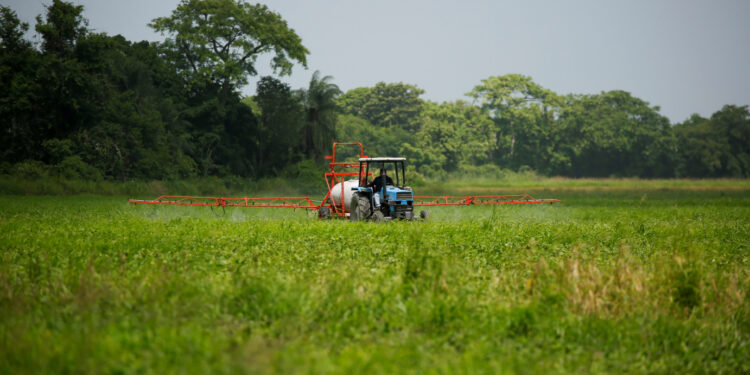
point(339, 198)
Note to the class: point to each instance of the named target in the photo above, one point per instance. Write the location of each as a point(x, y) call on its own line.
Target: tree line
point(88, 105)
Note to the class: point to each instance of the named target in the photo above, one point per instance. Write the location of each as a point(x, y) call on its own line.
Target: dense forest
point(85, 105)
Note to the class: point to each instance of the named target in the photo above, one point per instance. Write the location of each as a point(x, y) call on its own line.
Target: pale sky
point(685, 56)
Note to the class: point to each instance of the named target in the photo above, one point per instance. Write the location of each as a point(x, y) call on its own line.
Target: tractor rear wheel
point(359, 208)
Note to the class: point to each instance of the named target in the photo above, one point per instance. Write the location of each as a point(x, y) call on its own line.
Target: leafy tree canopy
point(64, 26)
point(719, 146)
point(511, 91)
point(90, 106)
point(385, 104)
point(218, 41)
point(321, 113)
point(615, 133)
point(11, 31)
point(280, 114)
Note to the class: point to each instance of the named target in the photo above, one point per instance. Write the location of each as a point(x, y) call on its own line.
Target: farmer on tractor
point(384, 198)
point(378, 183)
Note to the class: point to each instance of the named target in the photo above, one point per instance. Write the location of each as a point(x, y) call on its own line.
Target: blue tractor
point(385, 197)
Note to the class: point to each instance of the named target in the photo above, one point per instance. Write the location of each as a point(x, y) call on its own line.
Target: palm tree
point(320, 109)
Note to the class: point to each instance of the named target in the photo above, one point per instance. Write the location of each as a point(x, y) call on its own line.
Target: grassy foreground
point(612, 280)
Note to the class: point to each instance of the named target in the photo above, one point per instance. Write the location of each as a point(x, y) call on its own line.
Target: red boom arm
point(448, 200)
point(182, 200)
point(335, 176)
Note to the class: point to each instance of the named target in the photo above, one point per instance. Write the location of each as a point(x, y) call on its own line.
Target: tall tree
point(456, 130)
point(11, 32)
point(21, 125)
point(219, 41)
point(523, 112)
point(281, 115)
point(700, 148)
point(615, 134)
point(734, 123)
point(321, 115)
point(72, 92)
point(353, 101)
point(715, 147)
point(386, 105)
point(64, 26)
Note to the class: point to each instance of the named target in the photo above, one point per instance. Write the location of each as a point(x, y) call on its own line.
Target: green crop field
point(624, 276)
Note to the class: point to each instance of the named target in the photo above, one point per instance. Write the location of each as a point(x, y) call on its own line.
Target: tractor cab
point(385, 196)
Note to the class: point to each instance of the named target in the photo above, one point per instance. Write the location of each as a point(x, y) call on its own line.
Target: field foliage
point(653, 278)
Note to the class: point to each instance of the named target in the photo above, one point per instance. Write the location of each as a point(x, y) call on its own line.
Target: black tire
point(378, 217)
point(353, 209)
point(324, 212)
point(360, 207)
point(424, 215)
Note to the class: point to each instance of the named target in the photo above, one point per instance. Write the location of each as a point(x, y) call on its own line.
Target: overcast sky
point(684, 56)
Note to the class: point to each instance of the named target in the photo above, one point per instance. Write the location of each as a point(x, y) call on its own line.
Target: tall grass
point(624, 282)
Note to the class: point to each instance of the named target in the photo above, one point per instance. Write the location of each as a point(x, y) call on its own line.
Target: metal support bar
point(182, 200)
point(448, 200)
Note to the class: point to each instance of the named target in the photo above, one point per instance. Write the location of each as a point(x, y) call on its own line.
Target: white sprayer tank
point(336, 192)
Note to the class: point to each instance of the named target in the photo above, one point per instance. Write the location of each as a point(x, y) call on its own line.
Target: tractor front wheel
point(324, 212)
point(359, 208)
point(424, 214)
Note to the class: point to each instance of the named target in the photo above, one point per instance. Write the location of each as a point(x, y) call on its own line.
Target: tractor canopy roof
point(381, 159)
